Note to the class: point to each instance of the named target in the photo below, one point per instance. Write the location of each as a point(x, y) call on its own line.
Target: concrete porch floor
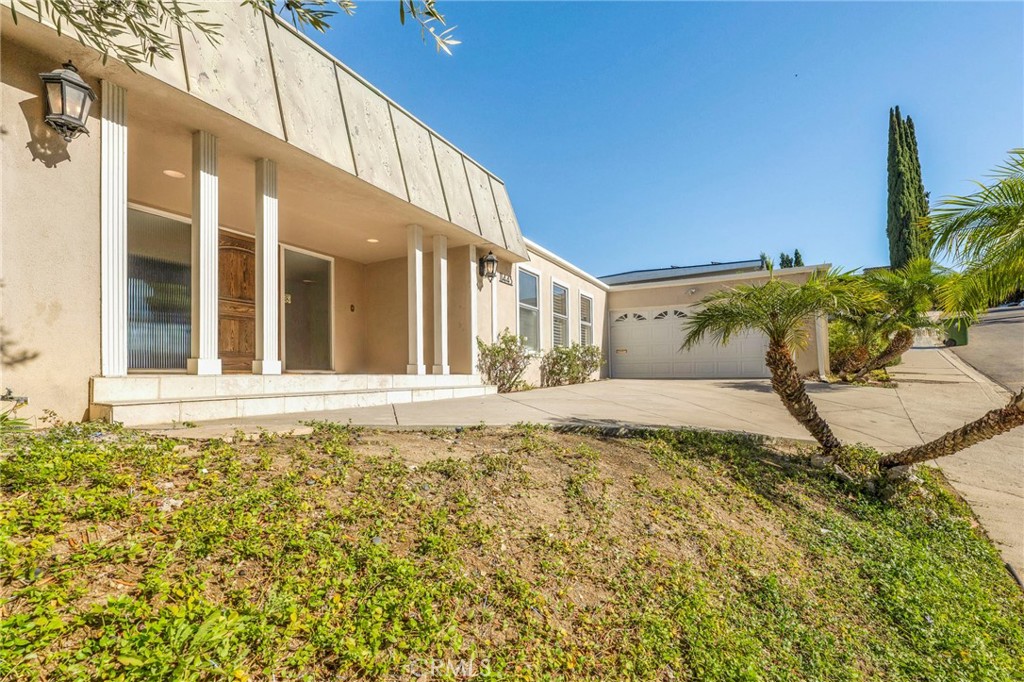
point(936, 392)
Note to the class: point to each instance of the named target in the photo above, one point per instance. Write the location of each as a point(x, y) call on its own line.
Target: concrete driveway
point(937, 392)
point(875, 416)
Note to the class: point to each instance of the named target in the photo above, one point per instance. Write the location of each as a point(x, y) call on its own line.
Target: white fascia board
point(566, 265)
point(755, 275)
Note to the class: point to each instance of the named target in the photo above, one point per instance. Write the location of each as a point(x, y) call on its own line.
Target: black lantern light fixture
point(489, 266)
point(68, 99)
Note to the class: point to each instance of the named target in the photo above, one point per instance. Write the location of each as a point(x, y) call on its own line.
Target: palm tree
point(984, 234)
point(782, 311)
point(906, 296)
point(991, 425)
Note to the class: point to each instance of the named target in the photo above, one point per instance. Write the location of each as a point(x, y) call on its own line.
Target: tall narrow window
point(586, 320)
point(159, 282)
point(529, 309)
point(559, 315)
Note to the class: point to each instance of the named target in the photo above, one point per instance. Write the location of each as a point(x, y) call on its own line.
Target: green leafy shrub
point(846, 348)
point(504, 362)
point(563, 365)
point(10, 421)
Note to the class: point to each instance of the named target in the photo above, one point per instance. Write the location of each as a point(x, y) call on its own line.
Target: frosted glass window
point(159, 291)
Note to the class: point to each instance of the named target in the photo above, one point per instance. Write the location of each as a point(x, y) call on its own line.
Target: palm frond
point(965, 295)
point(780, 309)
point(984, 232)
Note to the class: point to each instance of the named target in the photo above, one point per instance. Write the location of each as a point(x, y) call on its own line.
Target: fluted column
point(441, 365)
point(267, 275)
point(494, 312)
point(414, 258)
point(113, 231)
point(474, 279)
point(205, 225)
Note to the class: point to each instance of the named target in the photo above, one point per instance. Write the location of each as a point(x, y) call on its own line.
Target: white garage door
point(645, 345)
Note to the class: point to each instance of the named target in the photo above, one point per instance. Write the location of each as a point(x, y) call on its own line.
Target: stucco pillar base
point(203, 366)
point(441, 369)
point(266, 366)
point(415, 369)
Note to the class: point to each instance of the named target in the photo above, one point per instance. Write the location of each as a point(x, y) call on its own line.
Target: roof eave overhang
point(292, 80)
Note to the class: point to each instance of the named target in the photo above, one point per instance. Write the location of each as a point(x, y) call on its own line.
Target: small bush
point(504, 362)
point(846, 351)
point(573, 364)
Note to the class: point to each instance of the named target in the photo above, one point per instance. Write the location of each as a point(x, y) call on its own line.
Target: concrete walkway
point(937, 392)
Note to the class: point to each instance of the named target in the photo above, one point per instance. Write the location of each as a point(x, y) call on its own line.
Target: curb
point(997, 393)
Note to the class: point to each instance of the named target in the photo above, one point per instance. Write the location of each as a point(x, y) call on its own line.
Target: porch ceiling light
point(489, 266)
point(177, 175)
point(68, 99)
point(372, 240)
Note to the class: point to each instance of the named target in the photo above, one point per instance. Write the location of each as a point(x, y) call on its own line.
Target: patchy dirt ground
point(517, 553)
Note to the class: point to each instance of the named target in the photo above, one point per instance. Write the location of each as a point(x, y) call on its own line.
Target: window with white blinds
point(529, 309)
point(559, 315)
point(586, 320)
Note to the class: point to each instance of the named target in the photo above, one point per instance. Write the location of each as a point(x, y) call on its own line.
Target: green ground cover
point(518, 553)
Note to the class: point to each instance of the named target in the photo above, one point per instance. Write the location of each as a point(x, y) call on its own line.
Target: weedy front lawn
point(518, 554)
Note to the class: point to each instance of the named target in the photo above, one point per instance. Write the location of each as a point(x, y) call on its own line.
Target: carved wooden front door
point(237, 330)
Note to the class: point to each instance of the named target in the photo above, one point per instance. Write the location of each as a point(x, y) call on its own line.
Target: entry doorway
point(236, 334)
point(308, 303)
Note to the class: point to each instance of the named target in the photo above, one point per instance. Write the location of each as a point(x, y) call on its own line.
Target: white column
point(494, 310)
point(414, 259)
point(205, 225)
point(113, 231)
point(474, 279)
point(441, 365)
point(821, 345)
point(267, 283)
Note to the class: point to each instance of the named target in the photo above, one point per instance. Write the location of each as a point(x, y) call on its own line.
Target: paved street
point(996, 347)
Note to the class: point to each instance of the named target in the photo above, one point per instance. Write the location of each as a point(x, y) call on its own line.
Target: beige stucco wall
point(349, 317)
point(50, 240)
point(461, 339)
point(387, 330)
point(691, 292)
point(549, 271)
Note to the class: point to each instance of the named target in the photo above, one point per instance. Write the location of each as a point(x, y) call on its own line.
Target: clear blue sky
point(636, 135)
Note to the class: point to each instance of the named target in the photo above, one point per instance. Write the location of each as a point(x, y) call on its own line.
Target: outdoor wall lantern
point(489, 266)
point(68, 99)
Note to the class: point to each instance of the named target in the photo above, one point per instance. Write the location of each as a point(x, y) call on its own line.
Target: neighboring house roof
point(684, 272)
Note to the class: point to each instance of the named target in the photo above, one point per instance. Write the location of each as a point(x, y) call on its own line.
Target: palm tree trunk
point(992, 424)
point(852, 361)
point(790, 388)
point(899, 344)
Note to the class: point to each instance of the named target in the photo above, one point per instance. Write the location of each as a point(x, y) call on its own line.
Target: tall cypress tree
point(908, 202)
point(922, 238)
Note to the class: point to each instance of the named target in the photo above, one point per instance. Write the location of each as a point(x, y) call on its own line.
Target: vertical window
point(529, 309)
point(159, 283)
point(559, 315)
point(586, 320)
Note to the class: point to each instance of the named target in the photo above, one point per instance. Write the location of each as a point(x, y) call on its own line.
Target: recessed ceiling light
point(372, 240)
point(177, 175)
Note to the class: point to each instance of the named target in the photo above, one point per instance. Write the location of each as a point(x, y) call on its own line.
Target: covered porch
point(244, 275)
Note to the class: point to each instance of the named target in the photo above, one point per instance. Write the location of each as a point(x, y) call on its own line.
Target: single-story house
point(252, 228)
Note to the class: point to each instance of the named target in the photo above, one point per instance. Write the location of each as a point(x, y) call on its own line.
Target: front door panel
point(237, 329)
